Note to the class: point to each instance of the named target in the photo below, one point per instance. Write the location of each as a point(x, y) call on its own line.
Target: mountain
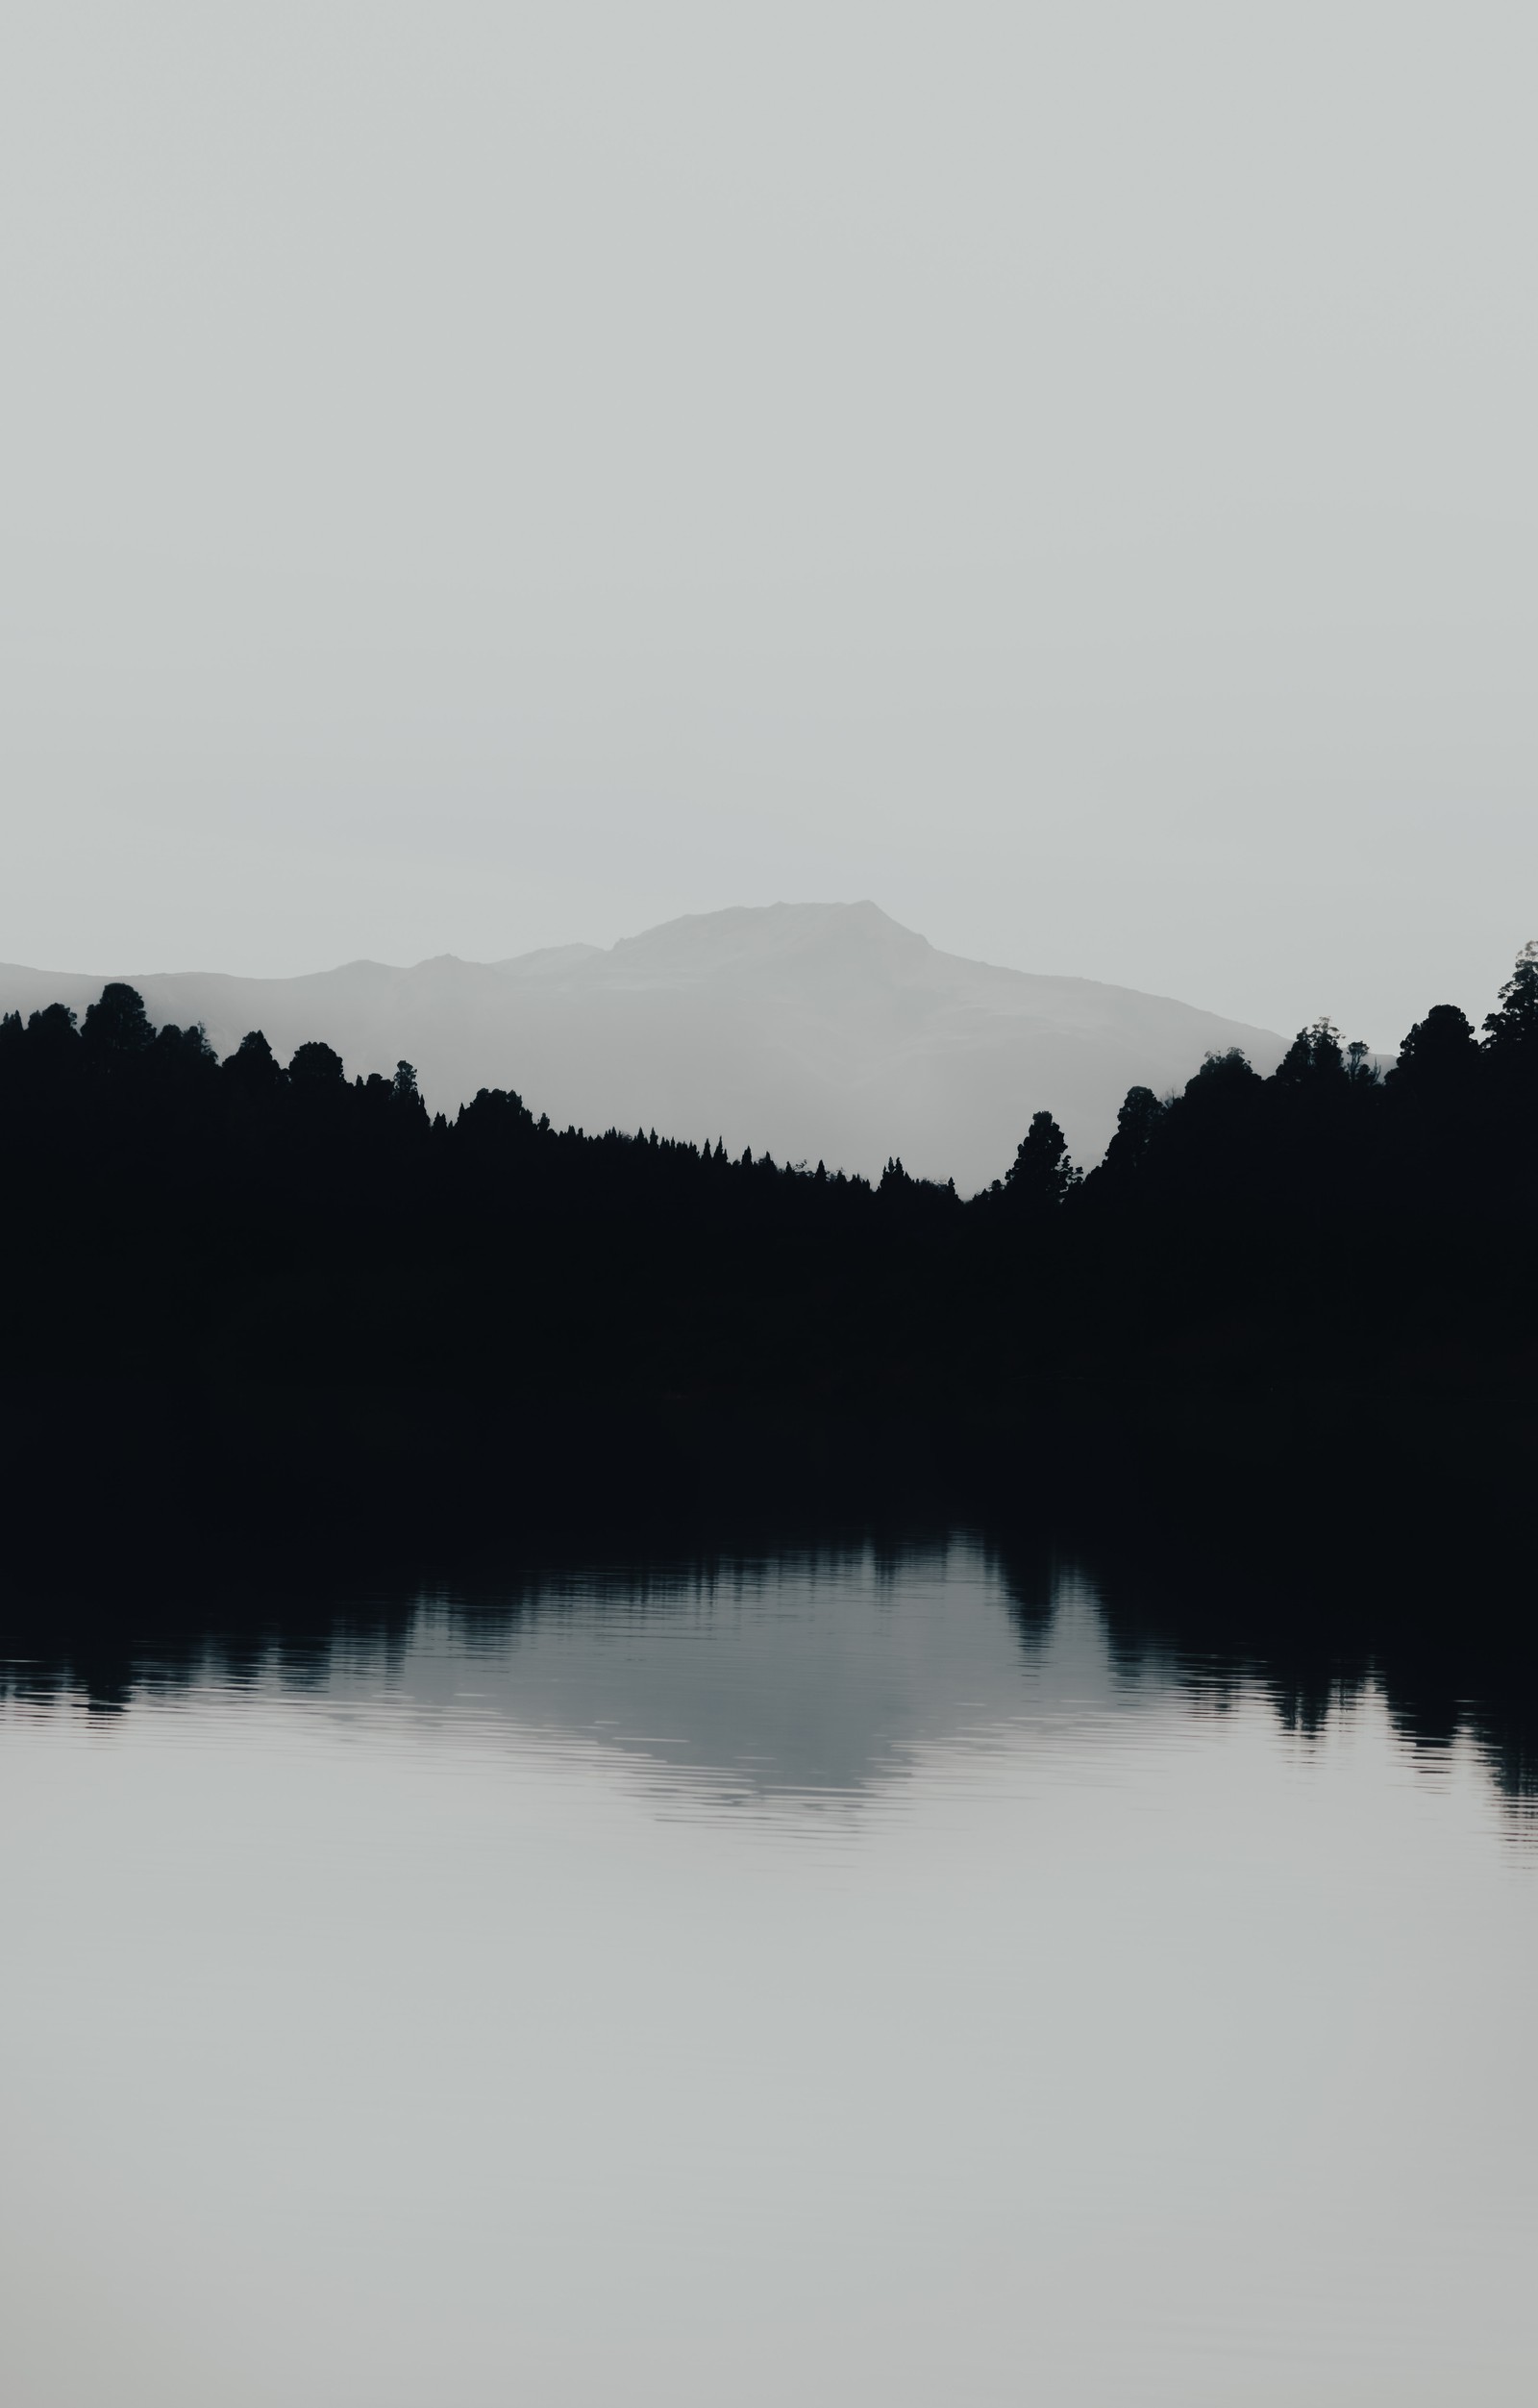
point(814, 1030)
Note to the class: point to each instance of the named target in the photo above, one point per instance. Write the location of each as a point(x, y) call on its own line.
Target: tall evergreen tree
point(1041, 1174)
point(1511, 1034)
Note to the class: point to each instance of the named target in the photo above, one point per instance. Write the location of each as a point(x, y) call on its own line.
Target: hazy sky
point(477, 477)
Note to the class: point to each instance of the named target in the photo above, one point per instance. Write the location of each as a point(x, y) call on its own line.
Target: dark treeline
point(1321, 1278)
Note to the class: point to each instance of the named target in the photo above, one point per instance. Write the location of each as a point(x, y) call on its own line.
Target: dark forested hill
point(264, 1272)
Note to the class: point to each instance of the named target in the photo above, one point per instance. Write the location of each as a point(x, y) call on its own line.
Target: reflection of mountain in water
point(806, 1675)
point(790, 1678)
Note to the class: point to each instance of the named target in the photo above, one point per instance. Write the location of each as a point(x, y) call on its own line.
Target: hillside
point(816, 1031)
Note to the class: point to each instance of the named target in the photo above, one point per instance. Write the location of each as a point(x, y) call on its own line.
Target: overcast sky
point(482, 477)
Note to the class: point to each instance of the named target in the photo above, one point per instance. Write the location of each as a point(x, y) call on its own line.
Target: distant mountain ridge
point(812, 1031)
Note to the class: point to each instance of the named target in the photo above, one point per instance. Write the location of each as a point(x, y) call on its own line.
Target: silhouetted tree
point(316, 1065)
point(1439, 1059)
point(1511, 1034)
point(1223, 1075)
point(1209, 1140)
point(1126, 1156)
point(251, 1069)
point(1314, 1057)
point(184, 1050)
point(1136, 1125)
point(1360, 1068)
point(117, 1027)
point(52, 1032)
point(1041, 1174)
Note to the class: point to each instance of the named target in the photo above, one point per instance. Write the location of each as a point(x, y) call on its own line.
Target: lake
point(820, 1977)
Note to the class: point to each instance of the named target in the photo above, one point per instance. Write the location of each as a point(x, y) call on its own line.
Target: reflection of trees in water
point(105, 1653)
point(112, 1640)
point(1442, 1633)
point(1439, 1623)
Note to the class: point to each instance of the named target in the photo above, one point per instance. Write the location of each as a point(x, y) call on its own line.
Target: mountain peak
point(746, 938)
point(806, 1029)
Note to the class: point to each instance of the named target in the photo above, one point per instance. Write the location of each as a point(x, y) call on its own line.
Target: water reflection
point(813, 1671)
point(983, 1968)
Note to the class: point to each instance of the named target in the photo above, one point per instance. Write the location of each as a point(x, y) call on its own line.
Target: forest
point(266, 1280)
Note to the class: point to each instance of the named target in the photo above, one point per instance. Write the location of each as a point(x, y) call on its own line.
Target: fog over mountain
point(814, 1030)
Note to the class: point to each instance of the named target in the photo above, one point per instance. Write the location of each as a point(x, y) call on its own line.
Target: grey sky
point(481, 477)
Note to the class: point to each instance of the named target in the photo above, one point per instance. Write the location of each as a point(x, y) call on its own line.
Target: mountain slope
point(814, 1030)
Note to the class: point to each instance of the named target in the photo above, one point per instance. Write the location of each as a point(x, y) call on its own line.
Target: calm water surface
point(817, 1982)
